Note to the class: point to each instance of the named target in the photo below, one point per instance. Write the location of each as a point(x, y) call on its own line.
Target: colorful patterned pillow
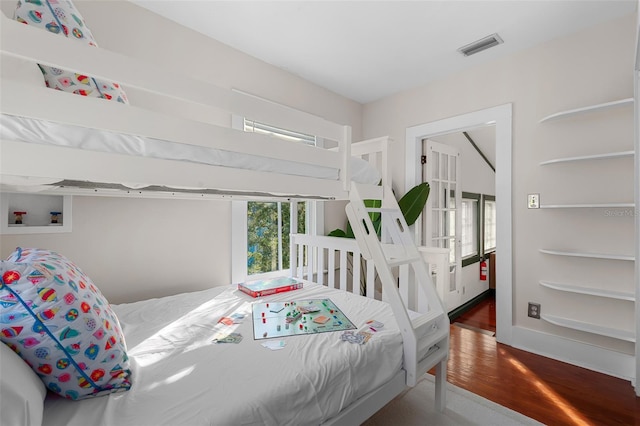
point(61, 325)
point(61, 17)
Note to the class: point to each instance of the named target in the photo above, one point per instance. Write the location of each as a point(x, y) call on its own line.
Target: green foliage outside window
point(264, 250)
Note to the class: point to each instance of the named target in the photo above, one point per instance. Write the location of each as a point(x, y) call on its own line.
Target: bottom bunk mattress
point(181, 376)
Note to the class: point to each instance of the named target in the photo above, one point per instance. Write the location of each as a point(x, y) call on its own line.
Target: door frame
point(501, 117)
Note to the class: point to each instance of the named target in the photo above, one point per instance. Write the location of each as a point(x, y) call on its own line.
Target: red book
point(260, 288)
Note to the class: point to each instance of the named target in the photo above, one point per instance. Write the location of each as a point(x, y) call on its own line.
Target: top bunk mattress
point(24, 129)
point(181, 377)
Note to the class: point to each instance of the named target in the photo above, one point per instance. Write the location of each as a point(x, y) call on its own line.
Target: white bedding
point(44, 132)
point(181, 377)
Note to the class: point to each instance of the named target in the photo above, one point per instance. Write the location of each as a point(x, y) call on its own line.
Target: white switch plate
point(534, 201)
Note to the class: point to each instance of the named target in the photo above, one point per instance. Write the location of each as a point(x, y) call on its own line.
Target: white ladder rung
point(433, 355)
point(403, 261)
point(425, 345)
point(381, 210)
point(426, 324)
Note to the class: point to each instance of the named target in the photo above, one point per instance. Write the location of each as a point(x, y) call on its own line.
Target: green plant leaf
point(376, 217)
point(338, 233)
point(413, 202)
point(349, 233)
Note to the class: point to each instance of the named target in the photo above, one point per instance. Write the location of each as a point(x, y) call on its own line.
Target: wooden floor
point(552, 392)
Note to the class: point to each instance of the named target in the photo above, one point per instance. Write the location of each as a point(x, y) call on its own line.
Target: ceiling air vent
point(480, 45)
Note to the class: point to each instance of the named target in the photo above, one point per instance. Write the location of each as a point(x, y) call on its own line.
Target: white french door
point(441, 223)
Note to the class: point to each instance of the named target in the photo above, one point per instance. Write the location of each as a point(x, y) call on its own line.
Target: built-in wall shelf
point(590, 108)
point(588, 205)
point(588, 255)
point(620, 295)
point(38, 218)
point(616, 333)
point(604, 156)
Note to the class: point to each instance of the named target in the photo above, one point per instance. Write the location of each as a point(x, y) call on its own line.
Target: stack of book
point(261, 288)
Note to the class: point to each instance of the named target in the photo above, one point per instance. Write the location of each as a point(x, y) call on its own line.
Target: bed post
point(345, 152)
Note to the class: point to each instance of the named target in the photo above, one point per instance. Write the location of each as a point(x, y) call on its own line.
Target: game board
point(280, 319)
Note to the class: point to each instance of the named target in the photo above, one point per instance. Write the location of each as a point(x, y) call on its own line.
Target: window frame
point(314, 217)
point(486, 198)
point(474, 258)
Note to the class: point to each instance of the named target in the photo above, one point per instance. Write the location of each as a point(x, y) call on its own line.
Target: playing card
point(229, 338)
point(360, 337)
point(365, 336)
point(374, 326)
point(237, 318)
point(308, 309)
point(274, 345)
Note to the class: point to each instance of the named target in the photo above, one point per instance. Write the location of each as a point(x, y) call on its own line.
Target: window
point(254, 126)
point(478, 223)
point(268, 229)
point(470, 230)
point(260, 230)
point(489, 223)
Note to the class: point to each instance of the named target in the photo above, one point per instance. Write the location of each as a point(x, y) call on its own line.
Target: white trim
point(636, 120)
point(636, 143)
point(238, 242)
point(501, 117)
point(582, 354)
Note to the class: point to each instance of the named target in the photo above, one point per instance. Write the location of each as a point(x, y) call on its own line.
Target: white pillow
point(23, 393)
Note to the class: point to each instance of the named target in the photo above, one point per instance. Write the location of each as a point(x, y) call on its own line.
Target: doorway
point(501, 117)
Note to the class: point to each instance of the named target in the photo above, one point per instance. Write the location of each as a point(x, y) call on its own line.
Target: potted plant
point(411, 205)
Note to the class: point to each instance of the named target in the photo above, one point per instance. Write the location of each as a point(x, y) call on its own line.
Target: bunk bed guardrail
point(26, 43)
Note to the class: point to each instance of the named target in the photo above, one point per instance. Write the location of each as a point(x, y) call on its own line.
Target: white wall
point(586, 68)
point(136, 249)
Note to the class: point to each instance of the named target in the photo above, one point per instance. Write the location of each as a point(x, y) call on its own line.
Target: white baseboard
point(576, 353)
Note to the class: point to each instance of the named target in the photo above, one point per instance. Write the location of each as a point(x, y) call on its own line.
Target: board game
point(280, 319)
point(261, 288)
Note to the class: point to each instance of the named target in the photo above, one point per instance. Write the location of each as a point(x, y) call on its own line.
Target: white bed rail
point(334, 262)
point(34, 44)
point(337, 262)
point(38, 46)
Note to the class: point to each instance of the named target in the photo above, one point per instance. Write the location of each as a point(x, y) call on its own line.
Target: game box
point(260, 288)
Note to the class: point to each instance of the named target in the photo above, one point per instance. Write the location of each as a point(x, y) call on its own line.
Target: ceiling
point(367, 50)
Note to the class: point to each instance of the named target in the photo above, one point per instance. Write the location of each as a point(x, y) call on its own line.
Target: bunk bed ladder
point(406, 284)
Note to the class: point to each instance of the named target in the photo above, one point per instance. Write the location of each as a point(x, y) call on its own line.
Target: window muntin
point(470, 228)
point(489, 223)
point(468, 215)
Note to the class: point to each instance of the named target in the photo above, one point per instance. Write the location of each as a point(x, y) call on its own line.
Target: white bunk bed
point(417, 328)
